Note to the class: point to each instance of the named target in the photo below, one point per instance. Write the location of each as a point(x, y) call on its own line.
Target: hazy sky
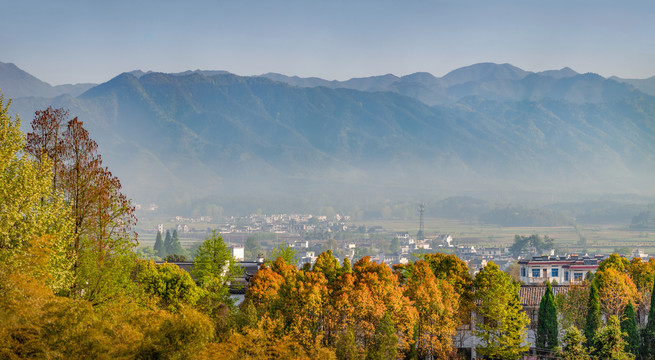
point(68, 41)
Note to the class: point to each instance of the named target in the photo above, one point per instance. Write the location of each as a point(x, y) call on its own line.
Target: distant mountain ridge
point(490, 81)
point(494, 126)
point(15, 82)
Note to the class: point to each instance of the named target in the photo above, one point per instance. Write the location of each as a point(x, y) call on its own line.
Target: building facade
point(563, 270)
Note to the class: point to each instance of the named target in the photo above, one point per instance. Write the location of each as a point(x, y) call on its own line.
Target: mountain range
point(485, 127)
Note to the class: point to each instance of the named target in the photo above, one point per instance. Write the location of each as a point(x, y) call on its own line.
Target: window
point(577, 276)
point(535, 272)
point(566, 276)
point(554, 272)
point(522, 272)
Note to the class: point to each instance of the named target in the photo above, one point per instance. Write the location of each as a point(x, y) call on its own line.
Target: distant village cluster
point(298, 231)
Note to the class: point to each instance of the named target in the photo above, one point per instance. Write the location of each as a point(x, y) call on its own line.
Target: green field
point(600, 238)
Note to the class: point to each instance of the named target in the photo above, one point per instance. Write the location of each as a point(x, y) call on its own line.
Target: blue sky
point(69, 41)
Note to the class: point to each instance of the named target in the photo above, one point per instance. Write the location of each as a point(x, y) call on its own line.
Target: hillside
point(498, 128)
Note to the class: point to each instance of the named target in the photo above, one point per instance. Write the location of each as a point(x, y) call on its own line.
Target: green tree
point(285, 252)
point(616, 262)
point(574, 348)
point(327, 264)
point(159, 246)
point(384, 342)
point(395, 245)
point(214, 267)
point(547, 322)
point(346, 267)
point(609, 342)
point(346, 348)
point(503, 332)
point(593, 314)
point(168, 243)
point(629, 327)
point(173, 286)
point(252, 248)
point(175, 246)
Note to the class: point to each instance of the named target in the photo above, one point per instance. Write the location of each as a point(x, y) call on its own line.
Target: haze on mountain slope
point(485, 128)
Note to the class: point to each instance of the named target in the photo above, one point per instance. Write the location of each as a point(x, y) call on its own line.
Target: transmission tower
point(421, 229)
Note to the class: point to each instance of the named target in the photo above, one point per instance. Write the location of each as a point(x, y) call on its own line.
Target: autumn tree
point(615, 290)
point(437, 305)
point(102, 214)
point(361, 300)
point(47, 139)
point(296, 297)
point(502, 334)
point(642, 273)
point(547, 330)
point(455, 271)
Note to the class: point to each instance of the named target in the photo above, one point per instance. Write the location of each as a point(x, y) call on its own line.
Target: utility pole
point(421, 229)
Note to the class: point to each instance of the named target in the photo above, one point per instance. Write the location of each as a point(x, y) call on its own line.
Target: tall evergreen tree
point(649, 332)
point(547, 322)
point(168, 243)
point(159, 246)
point(176, 247)
point(593, 314)
point(629, 327)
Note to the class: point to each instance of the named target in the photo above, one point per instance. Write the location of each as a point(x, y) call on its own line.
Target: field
point(599, 238)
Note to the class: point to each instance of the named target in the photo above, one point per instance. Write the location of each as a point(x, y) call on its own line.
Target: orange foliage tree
point(437, 305)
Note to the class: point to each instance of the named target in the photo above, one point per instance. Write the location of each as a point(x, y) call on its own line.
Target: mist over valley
point(491, 132)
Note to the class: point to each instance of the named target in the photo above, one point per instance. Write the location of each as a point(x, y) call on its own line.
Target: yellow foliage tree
point(615, 290)
point(35, 224)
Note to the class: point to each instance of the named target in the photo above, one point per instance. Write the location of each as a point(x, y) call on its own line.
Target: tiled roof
point(531, 294)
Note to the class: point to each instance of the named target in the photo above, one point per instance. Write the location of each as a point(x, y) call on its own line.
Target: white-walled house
point(562, 269)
